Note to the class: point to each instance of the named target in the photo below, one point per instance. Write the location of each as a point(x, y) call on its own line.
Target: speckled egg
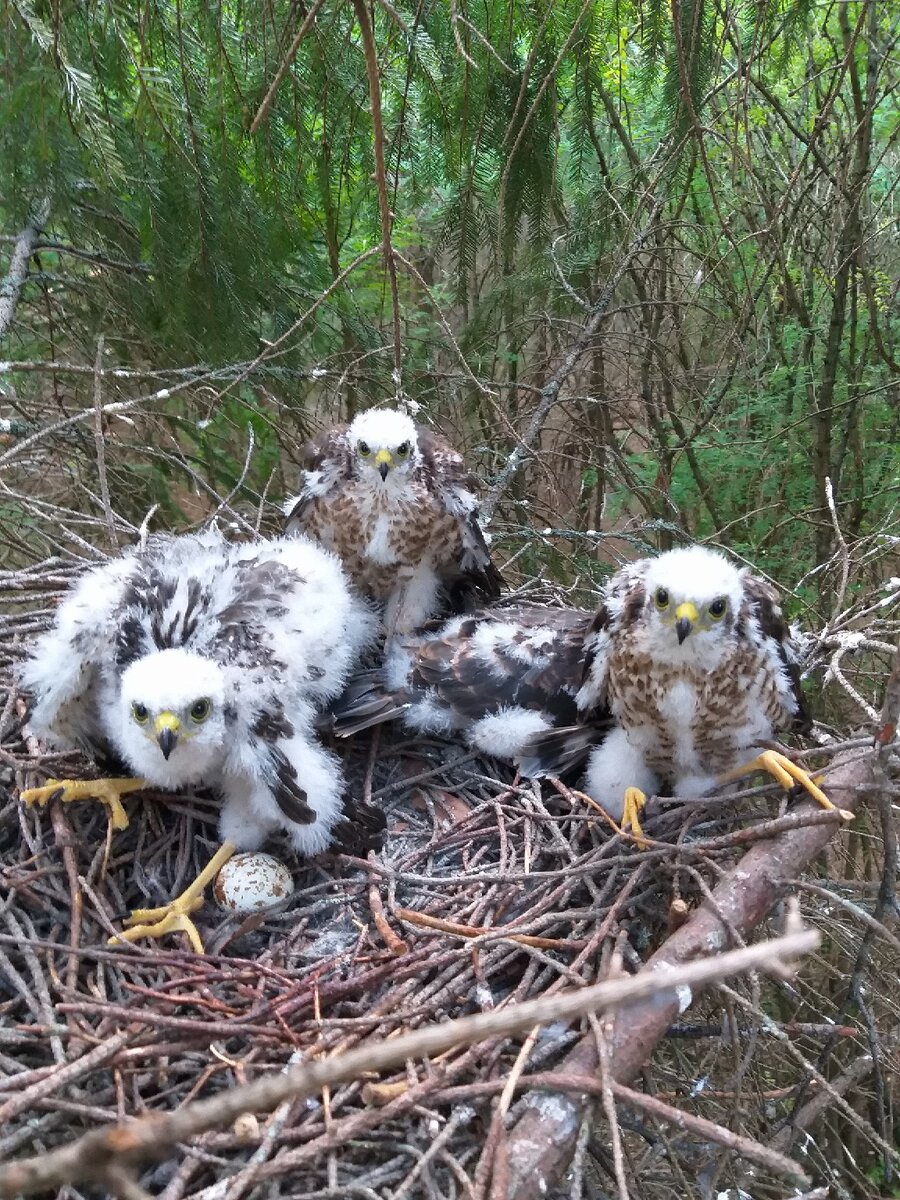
point(251, 883)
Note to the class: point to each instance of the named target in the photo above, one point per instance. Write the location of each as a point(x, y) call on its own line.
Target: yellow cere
point(686, 610)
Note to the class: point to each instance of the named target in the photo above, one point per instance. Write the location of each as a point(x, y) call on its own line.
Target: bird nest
point(483, 892)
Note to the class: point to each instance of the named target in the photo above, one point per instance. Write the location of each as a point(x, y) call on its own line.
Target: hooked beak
point(685, 616)
point(166, 728)
point(384, 461)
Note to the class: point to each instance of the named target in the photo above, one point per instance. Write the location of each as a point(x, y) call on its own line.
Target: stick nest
point(485, 891)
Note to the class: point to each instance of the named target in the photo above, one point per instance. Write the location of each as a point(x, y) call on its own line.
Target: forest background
point(668, 231)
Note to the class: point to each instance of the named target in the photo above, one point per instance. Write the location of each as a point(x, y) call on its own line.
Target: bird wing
point(471, 666)
point(528, 657)
point(765, 606)
point(474, 578)
point(288, 632)
point(365, 702)
point(71, 663)
point(623, 602)
point(563, 750)
point(325, 460)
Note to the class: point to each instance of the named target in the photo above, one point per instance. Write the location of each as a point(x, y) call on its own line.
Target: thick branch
point(151, 1137)
point(543, 1141)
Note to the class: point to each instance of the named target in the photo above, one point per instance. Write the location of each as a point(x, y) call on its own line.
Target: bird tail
point(364, 702)
point(559, 751)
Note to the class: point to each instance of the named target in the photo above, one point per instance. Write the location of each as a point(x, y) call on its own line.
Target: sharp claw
point(787, 773)
point(106, 791)
point(173, 922)
point(178, 907)
point(173, 917)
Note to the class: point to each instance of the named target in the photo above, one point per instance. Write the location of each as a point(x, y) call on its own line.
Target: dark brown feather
point(450, 669)
point(766, 604)
point(289, 796)
point(329, 445)
point(445, 470)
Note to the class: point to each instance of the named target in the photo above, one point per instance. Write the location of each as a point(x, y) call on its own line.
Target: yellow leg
point(634, 802)
point(175, 916)
point(787, 774)
point(107, 791)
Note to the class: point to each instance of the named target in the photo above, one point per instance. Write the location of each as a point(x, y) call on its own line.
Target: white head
point(693, 599)
point(384, 441)
point(171, 718)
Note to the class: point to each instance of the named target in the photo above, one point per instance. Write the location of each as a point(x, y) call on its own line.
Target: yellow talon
point(634, 802)
point(174, 917)
point(141, 925)
point(107, 791)
point(787, 773)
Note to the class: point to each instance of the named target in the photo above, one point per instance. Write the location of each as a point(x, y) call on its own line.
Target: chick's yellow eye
point(403, 450)
point(717, 609)
point(661, 598)
point(200, 711)
point(140, 713)
point(364, 449)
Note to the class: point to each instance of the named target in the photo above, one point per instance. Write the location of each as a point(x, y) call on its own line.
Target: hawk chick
point(398, 506)
point(692, 658)
point(198, 662)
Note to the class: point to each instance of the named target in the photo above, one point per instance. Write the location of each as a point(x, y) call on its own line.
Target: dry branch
point(551, 389)
point(151, 1137)
point(18, 265)
point(804, 1117)
point(710, 1131)
point(543, 1140)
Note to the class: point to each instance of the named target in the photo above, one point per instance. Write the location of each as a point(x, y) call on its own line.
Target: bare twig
point(387, 217)
point(550, 391)
point(285, 65)
point(151, 1137)
point(700, 1127)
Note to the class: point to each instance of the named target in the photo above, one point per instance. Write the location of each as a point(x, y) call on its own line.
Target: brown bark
point(542, 1142)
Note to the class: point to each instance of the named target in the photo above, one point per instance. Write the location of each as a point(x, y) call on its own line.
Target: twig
point(284, 67)
point(541, 1146)
point(473, 931)
point(151, 1137)
point(64, 1075)
point(890, 712)
point(100, 446)
point(395, 944)
point(387, 217)
point(804, 1117)
point(843, 550)
point(746, 1147)
point(550, 391)
point(442, 320)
